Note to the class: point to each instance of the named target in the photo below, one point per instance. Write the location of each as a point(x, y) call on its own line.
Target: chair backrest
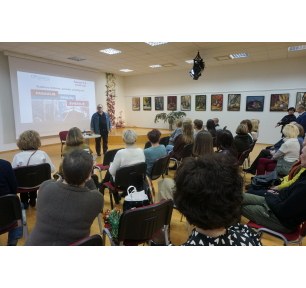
point(252, 145)
point(10, 212)
point(164, 141)
point(159, 167)
point(142, 223)
point(63, 135)
point(148, 145)
point(94, 240)
point(303, 229)
point(244, 155)
point(109, 156)
point(224, 128)
point(32, 176)
point(187, 151)
point(131, 175)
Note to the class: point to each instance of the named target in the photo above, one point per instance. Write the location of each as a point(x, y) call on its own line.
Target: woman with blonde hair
point(181, 141)
point(29, 142)
point(242, 139)
point(190, 121)
point(254, 129)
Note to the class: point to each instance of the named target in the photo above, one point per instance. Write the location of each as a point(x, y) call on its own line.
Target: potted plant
point(170, 117)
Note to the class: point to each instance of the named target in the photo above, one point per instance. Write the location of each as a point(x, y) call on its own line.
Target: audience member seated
point(282, 211)
point(8, 185)
point(254, 129)
point(211, 207)
point(290, 149)
point(225, 144)
point(198, 125)
point(203, 144)
point(217, 126)
point(180, 142)
point(210, 126)
point(286, 119)
point(178, 131)
point(29, 142)
point(248, 124)
point(190, 121)
point(74, 140)
point(301, 119)
point(242, 139)
point(155, 151)
point(67, 208)
point(125, 157)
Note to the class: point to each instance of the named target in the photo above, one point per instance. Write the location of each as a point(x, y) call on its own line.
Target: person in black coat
point(241, 140)
point(287, 119)
point(210, 126)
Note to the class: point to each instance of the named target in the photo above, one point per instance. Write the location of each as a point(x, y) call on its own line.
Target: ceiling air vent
point(222, 58)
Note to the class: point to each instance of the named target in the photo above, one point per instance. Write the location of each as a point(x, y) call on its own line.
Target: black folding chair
point(164, 141)
point(140, 225)
point(148, 145)
point(108, 158)
point(94, 240)
point(159, 167)
point(126, 176)
point(243, 156)
point(251, 149)
point(29, 178)
point(11, 214)
point(187, 152)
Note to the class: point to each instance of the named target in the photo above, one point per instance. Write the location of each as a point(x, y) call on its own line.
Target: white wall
point(247, 79)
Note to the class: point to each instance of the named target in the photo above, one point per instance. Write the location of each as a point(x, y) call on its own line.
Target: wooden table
point(87, 137)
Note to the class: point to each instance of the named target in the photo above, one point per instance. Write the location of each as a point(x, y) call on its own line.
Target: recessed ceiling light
point(241, 55)
point(155, 66)
point(296, 48)
point(126, 70)
point(110, 51)
point(222, 58)
point(76, 58)
point(189, 61)
point(169, 65)
point(156, 43)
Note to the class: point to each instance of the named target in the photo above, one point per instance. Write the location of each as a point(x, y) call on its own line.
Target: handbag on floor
point(135, 199)
point(265, 181)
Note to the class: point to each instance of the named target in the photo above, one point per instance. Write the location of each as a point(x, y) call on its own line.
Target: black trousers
point(104, 136)
point(24, 197)
point(265, 153)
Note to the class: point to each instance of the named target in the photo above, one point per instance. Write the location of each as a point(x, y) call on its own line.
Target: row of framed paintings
point(278, 102)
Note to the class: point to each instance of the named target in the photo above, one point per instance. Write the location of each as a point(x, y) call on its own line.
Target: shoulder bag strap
point(30, 157)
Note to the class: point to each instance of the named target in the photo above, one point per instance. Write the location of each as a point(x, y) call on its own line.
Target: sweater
point(8, 182)
point(153, 153)
point(21, 159)
point(178, 147)
point(286, 182)
point(125, 157)
point(290, 149)
point(289, 205)
point(302, 120)
point(64, 213)
point(241, 143)
point(287, 120)
point(178, 131)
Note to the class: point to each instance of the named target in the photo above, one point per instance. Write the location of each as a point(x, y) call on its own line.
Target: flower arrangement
point(111, 221)
point(110, 97)
point(120, 122)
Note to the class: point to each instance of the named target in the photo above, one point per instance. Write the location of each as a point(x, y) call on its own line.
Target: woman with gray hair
point(128, 156)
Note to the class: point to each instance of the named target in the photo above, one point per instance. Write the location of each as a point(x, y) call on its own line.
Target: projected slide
point(49, 99)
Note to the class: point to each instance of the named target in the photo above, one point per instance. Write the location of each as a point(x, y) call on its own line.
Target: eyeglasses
point(100, 107)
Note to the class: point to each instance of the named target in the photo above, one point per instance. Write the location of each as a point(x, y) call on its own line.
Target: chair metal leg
point(100, 224)
point(111, 200)
point(249, 161)
point(166, 235)
point(25, 225)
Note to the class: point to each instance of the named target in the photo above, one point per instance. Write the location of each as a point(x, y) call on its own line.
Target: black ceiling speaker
point(198, 67)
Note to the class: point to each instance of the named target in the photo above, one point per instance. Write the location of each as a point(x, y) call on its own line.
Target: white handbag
point(135, 199)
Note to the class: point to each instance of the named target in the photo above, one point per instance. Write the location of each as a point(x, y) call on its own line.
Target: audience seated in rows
point(290, 149)
point(242, 139)
point(282, 211)
point(178, 131)
point(286, 119)
point(74, 140)
point(8, 185)
point(217, 126)
point(155, 151)
point(29, 142)
point(67, 208)
point(248, 124)
point(210, 127)
point(225, 144)
point(198, 125)
point(213, 206)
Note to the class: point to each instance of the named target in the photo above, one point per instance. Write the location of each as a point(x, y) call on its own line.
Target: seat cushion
point(110, 186)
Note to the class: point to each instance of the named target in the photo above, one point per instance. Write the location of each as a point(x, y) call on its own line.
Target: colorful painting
point(136, 104)
point(217, 102)
point(185, 103)
point(300, 99)
point(255, 103)
point(171, 103)
point(159, 103)
point(200, 102)
point(147, 103)
point(233, 103)
point(279, 102)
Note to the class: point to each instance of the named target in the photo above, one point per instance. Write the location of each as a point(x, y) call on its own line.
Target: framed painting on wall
point(233, 103)
point(217, 102)
point(159, 103)
point(279, 102)
point(255, 103)
point(300, 99)
point(200, 102)
point(185, 103)
point(171, 103)
point(147, 103)
point(136, 103)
